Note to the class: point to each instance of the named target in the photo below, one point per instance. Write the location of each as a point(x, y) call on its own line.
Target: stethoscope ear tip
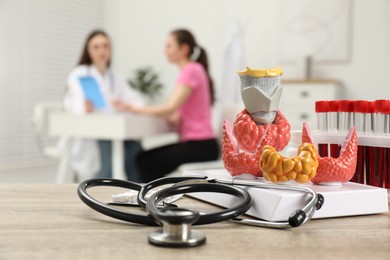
point(320, 201)
point(297, 218)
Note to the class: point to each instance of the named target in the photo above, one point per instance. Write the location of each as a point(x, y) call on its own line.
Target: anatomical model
point(261, 131)
point(258, 125)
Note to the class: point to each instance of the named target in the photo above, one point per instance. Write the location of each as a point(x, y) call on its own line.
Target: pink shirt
point(195, 113)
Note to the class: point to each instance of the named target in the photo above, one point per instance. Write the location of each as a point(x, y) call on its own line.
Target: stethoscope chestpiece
point(177, 228)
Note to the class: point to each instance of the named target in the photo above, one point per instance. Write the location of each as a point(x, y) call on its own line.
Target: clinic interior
point(127, 68)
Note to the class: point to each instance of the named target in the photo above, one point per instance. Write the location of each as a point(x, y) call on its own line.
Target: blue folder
point(92, 92)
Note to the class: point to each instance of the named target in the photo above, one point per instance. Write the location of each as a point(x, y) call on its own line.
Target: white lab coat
point(85, 156)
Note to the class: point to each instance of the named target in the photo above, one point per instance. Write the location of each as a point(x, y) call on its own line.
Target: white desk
point(115, 127)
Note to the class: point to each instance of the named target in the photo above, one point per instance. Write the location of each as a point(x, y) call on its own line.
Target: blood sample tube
point(386, 182)
point(360, 109)
point(369, 117)
point(369, 151)
point(386, 112)
point(345, 115)
point(333, 115)
point(380, 110)
point(322, 108)
point(386, 175)
point(376, 178)
point(333, 126)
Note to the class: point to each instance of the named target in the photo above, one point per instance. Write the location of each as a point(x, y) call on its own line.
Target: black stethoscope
point(177, 222)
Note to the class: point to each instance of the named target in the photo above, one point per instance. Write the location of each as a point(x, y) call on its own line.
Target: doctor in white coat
point(93, 157)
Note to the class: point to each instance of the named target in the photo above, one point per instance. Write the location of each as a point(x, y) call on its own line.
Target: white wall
point(366, 76)
point(40, 43)
point(139, 28)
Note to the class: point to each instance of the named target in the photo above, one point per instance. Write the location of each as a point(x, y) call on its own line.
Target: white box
point(350, 199)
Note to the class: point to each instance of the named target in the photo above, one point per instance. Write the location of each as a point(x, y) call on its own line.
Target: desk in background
point(115, 127)
point(50, 222)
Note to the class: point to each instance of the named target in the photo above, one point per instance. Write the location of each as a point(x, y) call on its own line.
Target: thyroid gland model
point(259, 124)
point(260, 132)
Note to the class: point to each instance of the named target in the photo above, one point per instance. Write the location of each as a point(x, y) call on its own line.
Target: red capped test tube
point(360, 112)
point(345, 115)
point(379, 153)
point(333, 126)
point(369, 151)
point(369, 120)
point(322, 109)
point(386, 175)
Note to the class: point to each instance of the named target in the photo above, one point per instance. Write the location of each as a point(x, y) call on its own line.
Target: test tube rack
point(372, 122)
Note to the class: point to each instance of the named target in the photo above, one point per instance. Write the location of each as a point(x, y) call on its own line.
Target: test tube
point(345, 115)
point(360, 110)
point(386, 175)
point(386, 181)
point(332, 115)
point(369, 117)
point(376, 176)
point(322, 108)
point(380, 110)
point(333, 126)
point(386, 112)
point(369, 150)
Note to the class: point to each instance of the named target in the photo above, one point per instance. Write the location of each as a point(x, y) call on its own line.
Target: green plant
point(146, 81)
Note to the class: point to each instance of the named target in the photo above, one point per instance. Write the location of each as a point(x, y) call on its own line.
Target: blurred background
point(328, 50)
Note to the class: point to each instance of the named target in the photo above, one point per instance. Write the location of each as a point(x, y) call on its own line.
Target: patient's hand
point(122, 107)
point(173, 118)
point(88, 106)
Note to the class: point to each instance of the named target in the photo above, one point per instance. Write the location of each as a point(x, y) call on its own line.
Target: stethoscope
point(177, 222)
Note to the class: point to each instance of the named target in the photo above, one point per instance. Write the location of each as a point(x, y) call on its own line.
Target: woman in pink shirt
point(189, 107)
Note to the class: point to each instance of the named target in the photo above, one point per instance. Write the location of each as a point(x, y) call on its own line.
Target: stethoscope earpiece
point(177, 228)
point(297, 218)
point(320, 201)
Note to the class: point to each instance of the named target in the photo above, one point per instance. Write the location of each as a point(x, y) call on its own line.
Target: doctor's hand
point(88, 106)
point(123, 107)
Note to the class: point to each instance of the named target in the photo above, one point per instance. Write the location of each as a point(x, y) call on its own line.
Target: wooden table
point(50, 222)
point(116, 127)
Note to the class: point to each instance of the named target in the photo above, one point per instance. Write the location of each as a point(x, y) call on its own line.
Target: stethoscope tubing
point(232, 212)
point(239, 209)
point(141, 198)
point(192, 184)
point(110, 211)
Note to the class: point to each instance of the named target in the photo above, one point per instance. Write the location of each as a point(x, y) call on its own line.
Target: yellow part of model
point(301, 168)
point(260, 73)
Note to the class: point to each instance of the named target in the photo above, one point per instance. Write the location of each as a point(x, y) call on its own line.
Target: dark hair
point(183, 36)
point(85, 58)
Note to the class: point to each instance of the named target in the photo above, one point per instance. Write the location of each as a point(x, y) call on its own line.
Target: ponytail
point(197, 54)
point(203, 60)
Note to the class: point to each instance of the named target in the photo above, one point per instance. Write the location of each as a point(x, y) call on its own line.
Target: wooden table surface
point(50, 222)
